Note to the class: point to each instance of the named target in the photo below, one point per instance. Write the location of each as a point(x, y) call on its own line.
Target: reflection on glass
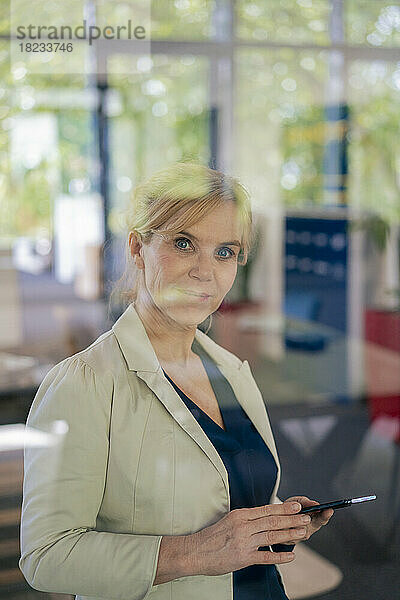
point(287, 21)
point(162, 117)
point(372, 23)
point(280, 107)
point(374, 149)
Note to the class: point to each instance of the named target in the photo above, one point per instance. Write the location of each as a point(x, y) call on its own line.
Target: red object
point(388, 407)
point(383, 328)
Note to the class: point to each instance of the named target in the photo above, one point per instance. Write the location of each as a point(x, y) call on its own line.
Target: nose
point(203, 268)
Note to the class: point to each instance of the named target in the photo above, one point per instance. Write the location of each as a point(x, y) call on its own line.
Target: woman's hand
point(232, 542)
point(318, 519)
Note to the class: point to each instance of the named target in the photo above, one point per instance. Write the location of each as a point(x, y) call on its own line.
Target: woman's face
point(188, 274)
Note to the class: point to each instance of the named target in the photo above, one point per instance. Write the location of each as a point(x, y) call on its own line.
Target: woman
point(161, 473)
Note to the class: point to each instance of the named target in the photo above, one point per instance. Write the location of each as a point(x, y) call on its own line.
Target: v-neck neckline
point(196, 405)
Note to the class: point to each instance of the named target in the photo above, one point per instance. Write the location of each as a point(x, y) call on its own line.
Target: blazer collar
point(141, 357)
point(139, 352)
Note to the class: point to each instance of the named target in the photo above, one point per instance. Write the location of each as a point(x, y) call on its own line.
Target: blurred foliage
point(26, 206)
point(375, 227)
point(286, 21)
point(182, 19)
point(159, 111)
point(4, 17)
point(302, 153)
point(27, 193)
point(372, 22)
point(279, 99)
point(374, 148)
point(160, 115)
point(76, 142)
point(177, 20)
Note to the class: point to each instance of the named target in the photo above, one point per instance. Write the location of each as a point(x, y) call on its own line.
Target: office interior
point(300, 100)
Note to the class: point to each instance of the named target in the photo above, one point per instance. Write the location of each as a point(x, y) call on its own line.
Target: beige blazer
point(124, 463)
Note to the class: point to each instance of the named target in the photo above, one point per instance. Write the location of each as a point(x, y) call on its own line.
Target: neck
point(172, 341)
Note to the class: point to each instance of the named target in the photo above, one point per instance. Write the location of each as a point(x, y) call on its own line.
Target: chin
point(188, 315)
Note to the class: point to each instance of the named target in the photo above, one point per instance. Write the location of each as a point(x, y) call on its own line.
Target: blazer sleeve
point(64, 480)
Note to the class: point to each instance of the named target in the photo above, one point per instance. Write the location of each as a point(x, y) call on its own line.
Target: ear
point(135, 245)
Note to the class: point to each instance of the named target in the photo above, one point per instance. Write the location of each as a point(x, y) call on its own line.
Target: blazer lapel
point(140, 356)
point(180, 412)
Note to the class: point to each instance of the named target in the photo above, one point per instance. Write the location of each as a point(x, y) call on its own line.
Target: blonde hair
point(180, 194)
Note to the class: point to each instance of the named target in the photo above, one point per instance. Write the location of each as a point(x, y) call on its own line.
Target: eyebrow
point(190, 235)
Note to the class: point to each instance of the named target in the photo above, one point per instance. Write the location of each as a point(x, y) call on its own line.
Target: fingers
point(275, 517)
point(278, 522)
point(265, 557)
point(318, 518)
point(296, 499)
point(269, 538)
point(286, 508)
point(326, 514)
point(322, 518)
point(303, 500)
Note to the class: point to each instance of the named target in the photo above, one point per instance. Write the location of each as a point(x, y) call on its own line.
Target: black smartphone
point(336, 504)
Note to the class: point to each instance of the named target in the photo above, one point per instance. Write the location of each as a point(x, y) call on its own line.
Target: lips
point(200, 294)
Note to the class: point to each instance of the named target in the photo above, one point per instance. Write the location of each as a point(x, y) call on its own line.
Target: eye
point(231, 254)
point(183, 243)
point(182, 240)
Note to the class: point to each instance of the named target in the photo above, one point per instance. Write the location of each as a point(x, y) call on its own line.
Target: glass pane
point(374, 149)
point(158, 115)
point(4, 17)
point(287, 21)
point(54, 12)
point(280, 108)
point(118, 13)
point(48, 183)
point(175, 19)
point(373, 23)
point(182, 19)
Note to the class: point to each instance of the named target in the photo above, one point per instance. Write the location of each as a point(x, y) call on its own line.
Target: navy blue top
point(251, 472)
